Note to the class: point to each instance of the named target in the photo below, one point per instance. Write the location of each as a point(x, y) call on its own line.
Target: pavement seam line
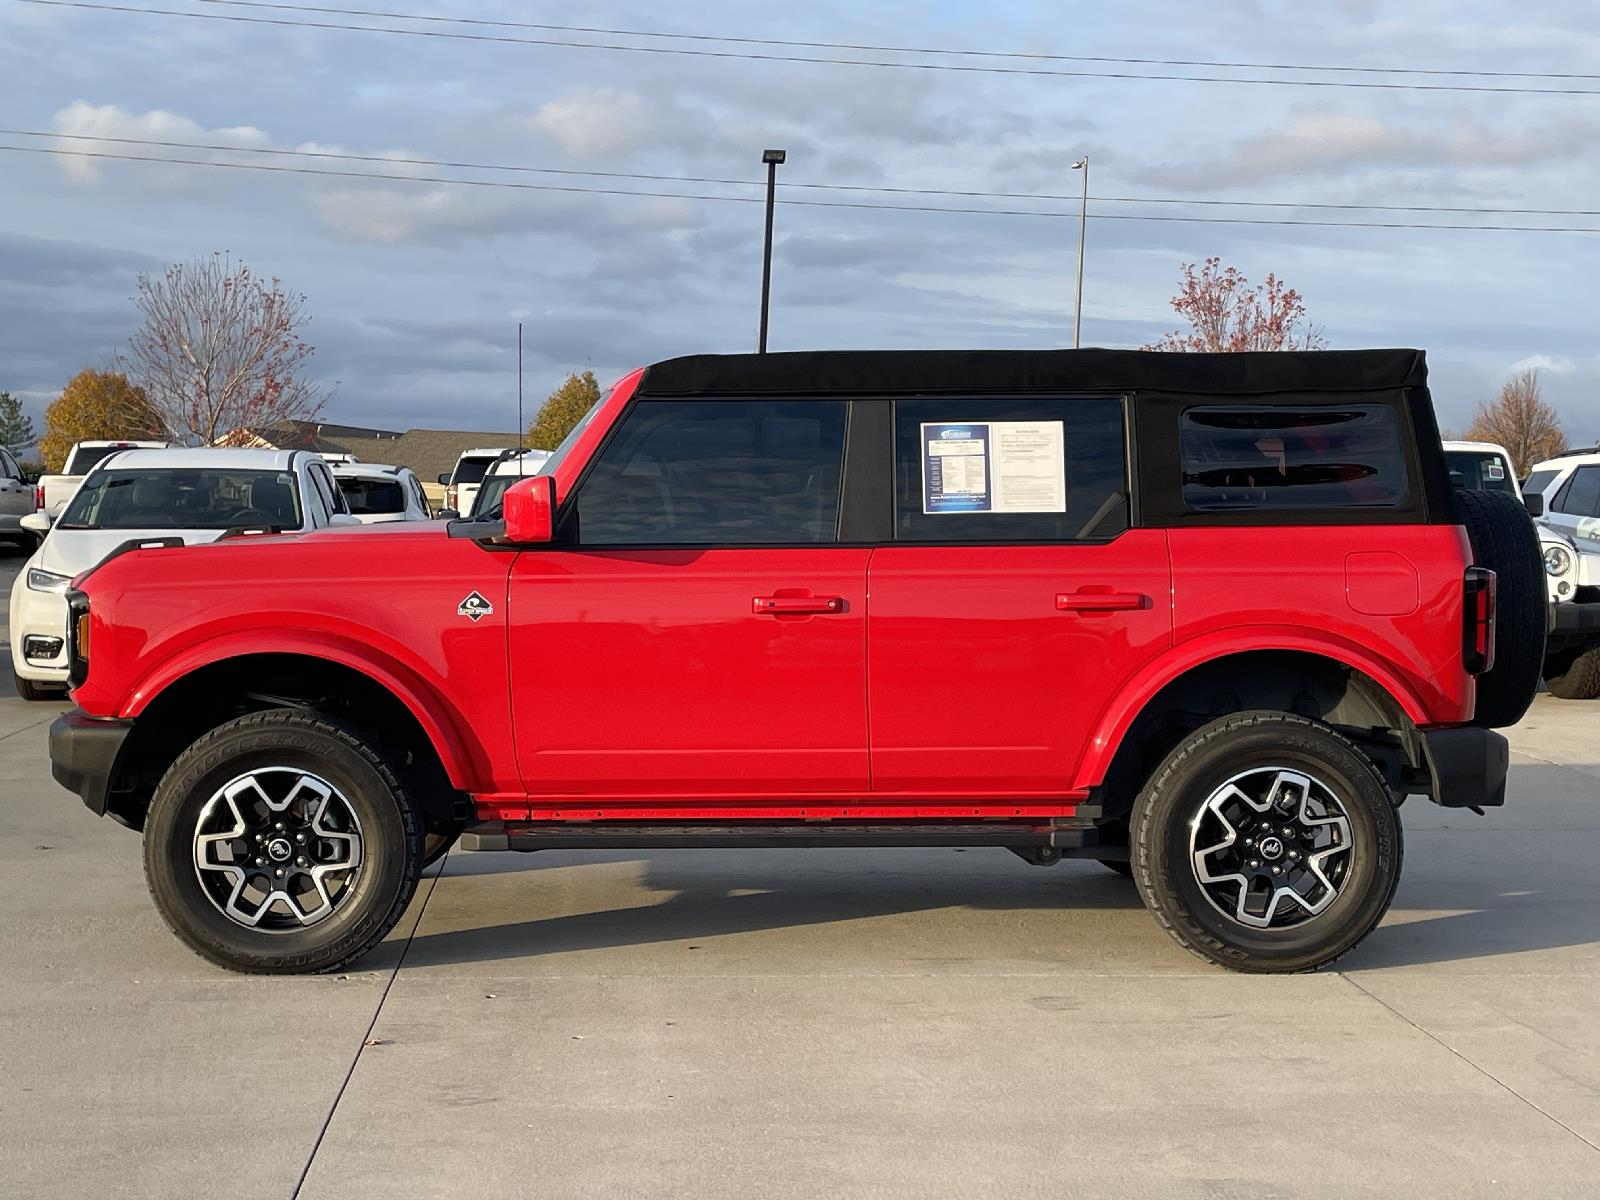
point(25, 728)
point(366, 1034)
point(1485, 1072)
point(1550, 762)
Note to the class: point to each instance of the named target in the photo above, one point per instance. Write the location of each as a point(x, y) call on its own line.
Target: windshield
point(178, 498)
point(489, 495)
point(1538, 481)
point(365, 496)
point(472, 470)
point(1480, 471)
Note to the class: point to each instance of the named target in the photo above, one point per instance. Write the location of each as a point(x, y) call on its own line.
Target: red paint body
point(901, 681)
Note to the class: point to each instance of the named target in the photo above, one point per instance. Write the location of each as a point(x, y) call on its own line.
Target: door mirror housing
point(37, 522)
point(343, 521)
point(530, 511)
point(444, 477)
point(1534, 503)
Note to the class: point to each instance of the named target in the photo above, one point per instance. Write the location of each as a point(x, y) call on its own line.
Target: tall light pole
point(772, 158)
point(1083, 225)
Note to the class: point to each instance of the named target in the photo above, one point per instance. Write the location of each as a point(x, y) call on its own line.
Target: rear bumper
point(1468, 766)
point(83, 755)
point(1570, 616)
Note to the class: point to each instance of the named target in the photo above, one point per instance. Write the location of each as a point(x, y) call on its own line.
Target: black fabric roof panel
point(914, 372)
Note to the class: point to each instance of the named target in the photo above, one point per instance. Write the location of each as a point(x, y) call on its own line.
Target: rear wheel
point(29, 690)
point(1574, 674)
point(1266, 842)
point(281, 842)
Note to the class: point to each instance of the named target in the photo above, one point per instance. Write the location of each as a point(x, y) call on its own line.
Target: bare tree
point(1520, 420)
point(221, 351)
point(1225, 313)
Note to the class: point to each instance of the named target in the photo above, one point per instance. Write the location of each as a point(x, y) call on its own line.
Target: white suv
point(142, 495)
point(461, 484)
point(378, 494)
point(1569, 489)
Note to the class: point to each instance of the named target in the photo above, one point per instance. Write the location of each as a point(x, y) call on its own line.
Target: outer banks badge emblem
point(474, 607)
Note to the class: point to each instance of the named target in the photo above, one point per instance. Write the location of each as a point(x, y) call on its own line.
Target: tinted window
point(472, 470)
point(1479, 471)
point(317, 505)
point(8, 468)
point(1581, 496)
point(1292, 458)
point(1030, 470)
point(1538, 481)
point(373, 495)
point(184, 499)
point(725, 472)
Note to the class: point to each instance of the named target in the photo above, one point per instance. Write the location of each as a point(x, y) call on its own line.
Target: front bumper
point(42, 615)
point(1571, 616)
point(84, 752)
point(1468, 766)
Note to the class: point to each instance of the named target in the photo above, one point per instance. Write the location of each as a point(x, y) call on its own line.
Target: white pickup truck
point(51, 493)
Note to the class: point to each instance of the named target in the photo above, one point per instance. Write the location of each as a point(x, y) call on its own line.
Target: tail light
point(1479, 589)
point(450, 496)
point(38, 497)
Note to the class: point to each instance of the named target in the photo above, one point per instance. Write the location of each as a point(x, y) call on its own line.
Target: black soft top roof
point(901, 372)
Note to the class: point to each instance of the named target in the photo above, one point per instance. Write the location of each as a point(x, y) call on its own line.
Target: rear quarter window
point(1281, 458)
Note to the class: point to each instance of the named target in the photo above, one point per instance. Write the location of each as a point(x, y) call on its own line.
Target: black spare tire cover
point(1505, 541)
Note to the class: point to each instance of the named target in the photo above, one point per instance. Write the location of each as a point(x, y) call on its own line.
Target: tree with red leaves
point(1226, 314)
point(221, 352)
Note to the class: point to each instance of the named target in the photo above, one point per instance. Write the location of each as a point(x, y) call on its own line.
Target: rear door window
point(994, 469)
point(1580, 497)
point(1283, 458)
point(718, 473)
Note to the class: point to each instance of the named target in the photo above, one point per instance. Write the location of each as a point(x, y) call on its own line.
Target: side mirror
point(444, 477)
point(31, 478)
point(343, 520)
point(37, 522)
point(530, 511)
point(1534, 503)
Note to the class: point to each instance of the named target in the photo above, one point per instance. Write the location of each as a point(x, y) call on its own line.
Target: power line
point(987, 212)
point(886, 49)
point(750, 56)
point(398, 160)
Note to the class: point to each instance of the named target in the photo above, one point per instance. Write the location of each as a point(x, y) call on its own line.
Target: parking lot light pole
point(772, 158)
point(1083, 223)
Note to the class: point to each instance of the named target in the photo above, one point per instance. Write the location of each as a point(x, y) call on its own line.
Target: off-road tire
point(392, 838)
point(29, 690)
point(1574, 674)
point(1504, 540)
point(1179, 787)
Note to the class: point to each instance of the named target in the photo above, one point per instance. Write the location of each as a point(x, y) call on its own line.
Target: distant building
point(428, 452)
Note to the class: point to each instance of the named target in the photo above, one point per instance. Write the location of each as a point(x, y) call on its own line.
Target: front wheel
point(29, 690)
point(281, 842)
point(1573, 674)
point(1266, 842)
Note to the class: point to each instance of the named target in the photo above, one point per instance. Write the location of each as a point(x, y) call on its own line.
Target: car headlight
point(46, 581)
point(1557, 560)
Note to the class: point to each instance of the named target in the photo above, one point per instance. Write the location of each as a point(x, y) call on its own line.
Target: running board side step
point(1070, 836)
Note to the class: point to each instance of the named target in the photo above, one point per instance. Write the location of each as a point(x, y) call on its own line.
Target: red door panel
point(990, 666)
point(690, 674)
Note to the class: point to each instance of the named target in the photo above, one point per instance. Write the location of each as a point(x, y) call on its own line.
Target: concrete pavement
point(782, 1023)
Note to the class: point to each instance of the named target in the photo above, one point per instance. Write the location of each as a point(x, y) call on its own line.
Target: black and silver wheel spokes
point(277, 849)
point(1271, 847)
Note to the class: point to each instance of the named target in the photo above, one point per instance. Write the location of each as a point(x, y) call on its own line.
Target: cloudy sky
point(416, 286)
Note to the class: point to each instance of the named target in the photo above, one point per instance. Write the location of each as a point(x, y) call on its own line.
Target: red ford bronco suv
point(1208, 619)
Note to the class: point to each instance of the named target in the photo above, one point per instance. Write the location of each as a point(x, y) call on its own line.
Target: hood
point(71, 552)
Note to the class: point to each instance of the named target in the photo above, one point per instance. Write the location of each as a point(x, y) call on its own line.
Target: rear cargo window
point(1580, 497)
point(1047, 469)
point(1280, 458)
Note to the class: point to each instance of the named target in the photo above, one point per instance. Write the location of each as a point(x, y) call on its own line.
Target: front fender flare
point(458, 749)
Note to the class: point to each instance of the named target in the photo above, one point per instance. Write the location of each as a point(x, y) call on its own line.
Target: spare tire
point(1505, 541)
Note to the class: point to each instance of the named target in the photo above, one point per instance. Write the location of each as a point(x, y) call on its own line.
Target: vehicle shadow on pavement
point(711, 901)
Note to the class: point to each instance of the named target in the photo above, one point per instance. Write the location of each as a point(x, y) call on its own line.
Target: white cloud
point(595, 122)
point(1315, 144)
point(1552, 364)
point(109, 121)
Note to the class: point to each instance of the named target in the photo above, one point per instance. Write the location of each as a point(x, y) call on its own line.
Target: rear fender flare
point(1138, 692)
